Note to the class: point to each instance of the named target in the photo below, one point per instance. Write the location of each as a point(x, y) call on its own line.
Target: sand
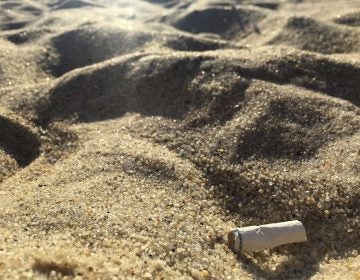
point(134, 134)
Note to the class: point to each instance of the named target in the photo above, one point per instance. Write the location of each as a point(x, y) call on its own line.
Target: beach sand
point(135, 134)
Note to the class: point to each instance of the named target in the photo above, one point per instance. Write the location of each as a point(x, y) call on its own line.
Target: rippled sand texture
point(134, 134)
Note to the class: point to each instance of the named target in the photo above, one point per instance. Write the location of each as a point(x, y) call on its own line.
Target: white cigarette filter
point(256, 238)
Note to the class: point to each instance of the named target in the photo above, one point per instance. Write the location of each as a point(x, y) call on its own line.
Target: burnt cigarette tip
point(231, 239)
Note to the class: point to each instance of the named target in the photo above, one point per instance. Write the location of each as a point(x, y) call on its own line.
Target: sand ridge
point(134, 134)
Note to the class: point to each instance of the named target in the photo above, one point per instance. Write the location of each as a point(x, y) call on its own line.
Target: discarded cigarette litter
point(256, 238)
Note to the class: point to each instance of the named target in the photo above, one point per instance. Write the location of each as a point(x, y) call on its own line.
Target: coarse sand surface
point(135, 134)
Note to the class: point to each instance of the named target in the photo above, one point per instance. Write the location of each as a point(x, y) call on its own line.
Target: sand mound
point(287, 131)
point(330, 76)
point(228, 22)
point(311, 35)
point(93, 43)
point(138, 88)
point(125, 88)
point(135, 134)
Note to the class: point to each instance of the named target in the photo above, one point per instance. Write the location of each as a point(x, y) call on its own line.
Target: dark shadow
point(45, 267)
point(24, 37)
point(267, 5)
point(13, 25)
point(19, 38)
point(352, 19)
point(31, 10)
point(19, 142)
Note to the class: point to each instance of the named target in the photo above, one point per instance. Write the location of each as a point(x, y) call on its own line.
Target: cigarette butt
point(256, 238)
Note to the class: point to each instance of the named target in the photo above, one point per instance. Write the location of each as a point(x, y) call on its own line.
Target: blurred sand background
point(134, 134)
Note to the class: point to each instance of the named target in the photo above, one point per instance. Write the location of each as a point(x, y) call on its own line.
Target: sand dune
point(311, 35)
point(134, 134)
